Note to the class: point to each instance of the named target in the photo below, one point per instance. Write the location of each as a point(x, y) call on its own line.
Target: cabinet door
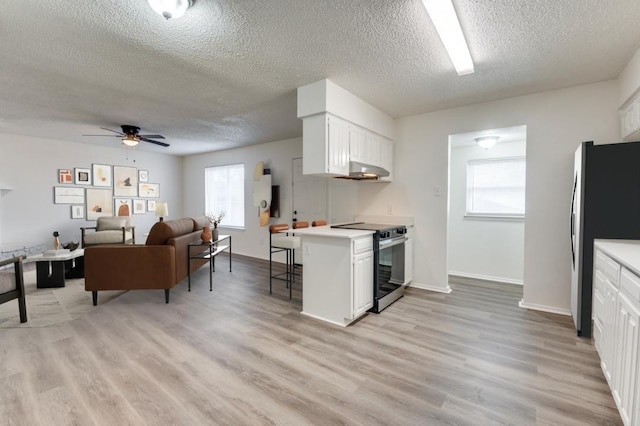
point(357, 144)
point(362, 285)
point(608, 340)
point(337, 146)
point(626, 360)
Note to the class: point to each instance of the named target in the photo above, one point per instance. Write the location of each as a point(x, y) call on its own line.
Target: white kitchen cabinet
point(325, 144)
point(630, 120)
point(616, 312)
point(362, 283)
point(358, 144)
point(337, 274)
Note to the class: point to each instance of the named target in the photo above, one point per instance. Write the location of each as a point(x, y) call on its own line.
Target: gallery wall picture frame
point(65, 176)
point(149, 190)
point(151, 205)
point(122, 206)
point(68, 195)
point(77, 212)
point(99, 203)
point(139, 206)
point(101, 175)
point(143, 175)
point(125, 181)
point(82, 176)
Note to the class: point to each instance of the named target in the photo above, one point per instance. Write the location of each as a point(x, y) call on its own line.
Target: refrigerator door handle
point(573, 222)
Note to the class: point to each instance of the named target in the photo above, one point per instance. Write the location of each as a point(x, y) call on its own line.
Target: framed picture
point(125, 181)
point(99, 203)
point(139, 206)
point(65, 176)
point(77, 212)
point(83, 176)
point(66, 195)
point(101, 175)
point(151, 205)
point(149, 190)
point(143, 176)
point(122, 206)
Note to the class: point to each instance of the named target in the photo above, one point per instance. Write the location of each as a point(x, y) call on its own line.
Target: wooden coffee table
point(51, 269)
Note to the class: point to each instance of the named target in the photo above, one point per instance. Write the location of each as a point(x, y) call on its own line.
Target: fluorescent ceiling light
point(170, 9)
point(444, 17)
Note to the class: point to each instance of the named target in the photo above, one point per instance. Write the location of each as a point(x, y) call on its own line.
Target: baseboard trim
point(420, 286)
point(544, 308)
point(486, 278)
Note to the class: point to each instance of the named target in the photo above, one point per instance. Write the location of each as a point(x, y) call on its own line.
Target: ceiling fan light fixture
point(444, 18)
point(487, 142)
point(130, 140)
point(170, 9)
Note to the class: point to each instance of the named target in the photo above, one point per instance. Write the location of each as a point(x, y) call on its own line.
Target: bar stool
point(286, 243)
point(298, 225)
point(319, 223)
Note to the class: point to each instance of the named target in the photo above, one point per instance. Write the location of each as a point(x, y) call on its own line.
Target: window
point(224, 192)
point(496, 187)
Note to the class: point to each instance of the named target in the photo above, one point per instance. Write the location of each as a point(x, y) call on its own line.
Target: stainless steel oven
point(388, 262)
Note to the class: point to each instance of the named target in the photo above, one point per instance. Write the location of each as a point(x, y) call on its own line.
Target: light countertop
point(328, 231)
point(626, 252)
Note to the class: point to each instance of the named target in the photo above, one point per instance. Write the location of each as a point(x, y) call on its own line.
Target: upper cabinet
point(630, 120)
point(339, 128)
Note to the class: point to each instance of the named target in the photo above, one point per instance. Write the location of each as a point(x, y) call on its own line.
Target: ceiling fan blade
point(116, 136)
point(152, 136)
point(152, 141)
point(114, 131)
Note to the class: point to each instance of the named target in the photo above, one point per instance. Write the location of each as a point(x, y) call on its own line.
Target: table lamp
point(162, 210)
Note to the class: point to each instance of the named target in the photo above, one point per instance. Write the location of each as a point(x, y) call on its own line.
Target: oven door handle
point(392, 242)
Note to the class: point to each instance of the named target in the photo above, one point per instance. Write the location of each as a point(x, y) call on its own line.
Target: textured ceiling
point(226, 73)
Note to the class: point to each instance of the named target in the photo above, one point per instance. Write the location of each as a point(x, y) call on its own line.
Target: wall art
point(101, 175)
point(143, 175)
point(82, 176)
point(122, 206)
point(149, 190)
point(66, 195)
point(139, 206)
point(125, 181)
point(151, 205)
point(65, 176)
point(77, 212)
point(99, 203)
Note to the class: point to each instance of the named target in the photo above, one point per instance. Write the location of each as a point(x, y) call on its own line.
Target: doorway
point(486, 214)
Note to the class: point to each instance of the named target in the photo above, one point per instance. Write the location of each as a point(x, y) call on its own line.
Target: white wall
point(486, 248)
point(556, 123)
point(277, 156)
point(30, 166)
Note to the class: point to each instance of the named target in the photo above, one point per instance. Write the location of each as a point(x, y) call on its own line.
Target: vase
point(206, 235)
point(56, 243)
point(214, 234)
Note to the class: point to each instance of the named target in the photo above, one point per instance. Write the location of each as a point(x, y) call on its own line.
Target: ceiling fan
point(131, 136)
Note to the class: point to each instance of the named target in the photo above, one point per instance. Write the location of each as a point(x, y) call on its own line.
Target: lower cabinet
point(362, 283)
point(616, 315)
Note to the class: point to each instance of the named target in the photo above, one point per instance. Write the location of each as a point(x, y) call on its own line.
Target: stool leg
point(270, 269)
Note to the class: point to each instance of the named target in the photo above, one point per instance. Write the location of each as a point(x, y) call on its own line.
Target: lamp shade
point(162, 210)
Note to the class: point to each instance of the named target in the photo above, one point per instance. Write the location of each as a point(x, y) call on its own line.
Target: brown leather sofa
point(159, 264)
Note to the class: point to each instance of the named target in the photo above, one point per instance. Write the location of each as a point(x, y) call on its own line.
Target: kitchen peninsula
point(337, 273)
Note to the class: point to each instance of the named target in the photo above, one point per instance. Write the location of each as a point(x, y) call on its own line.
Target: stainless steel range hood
point(362, 171)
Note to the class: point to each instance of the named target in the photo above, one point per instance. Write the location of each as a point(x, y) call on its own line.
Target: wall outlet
point(436, 191)
point(389, 210)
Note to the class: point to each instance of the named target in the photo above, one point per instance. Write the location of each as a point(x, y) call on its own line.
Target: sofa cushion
point(7, 280)
point(162, 231)
point(200, 222)
point(107, 237)
point(106, 223)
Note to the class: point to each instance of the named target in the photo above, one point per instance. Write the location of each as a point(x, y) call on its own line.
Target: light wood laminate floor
point(238, 355)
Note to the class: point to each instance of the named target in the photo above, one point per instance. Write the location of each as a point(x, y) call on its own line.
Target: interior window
point(496, 187)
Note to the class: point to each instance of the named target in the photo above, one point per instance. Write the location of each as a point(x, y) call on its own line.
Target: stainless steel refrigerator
point(605, 204)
